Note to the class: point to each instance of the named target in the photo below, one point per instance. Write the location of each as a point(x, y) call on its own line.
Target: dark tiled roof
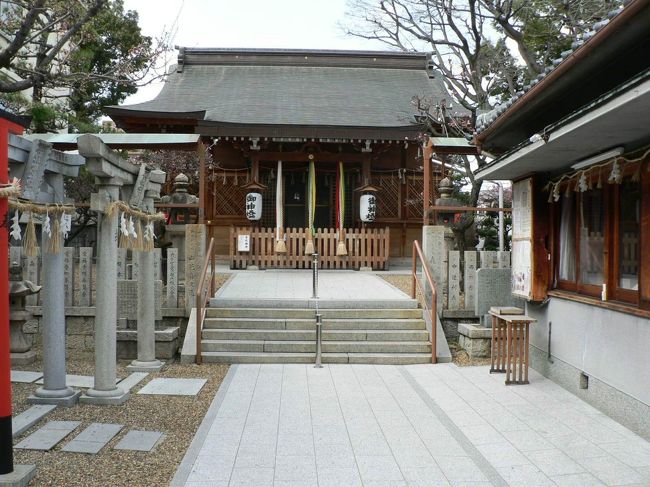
point(292, 87)
point(484, 120)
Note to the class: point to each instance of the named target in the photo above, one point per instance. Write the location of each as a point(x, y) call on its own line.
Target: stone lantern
point(180, 196)
point(20, 345)
point(447, 218)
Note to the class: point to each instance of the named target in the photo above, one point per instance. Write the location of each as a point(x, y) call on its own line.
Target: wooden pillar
point(255, 169)
point(427, 152)
point(201, 149)
point(403, 211)
point(365, 168)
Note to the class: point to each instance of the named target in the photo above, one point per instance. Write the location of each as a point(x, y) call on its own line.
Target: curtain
point(567, 270)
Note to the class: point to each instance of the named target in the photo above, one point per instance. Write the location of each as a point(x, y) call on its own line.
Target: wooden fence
point(461, 274)
point(366, 247)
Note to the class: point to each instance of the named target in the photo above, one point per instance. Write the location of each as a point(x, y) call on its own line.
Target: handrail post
point(319, 340)
point(413, 273)
point(314, 267)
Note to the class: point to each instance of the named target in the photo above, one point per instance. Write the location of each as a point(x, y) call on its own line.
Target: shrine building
point(306, 149)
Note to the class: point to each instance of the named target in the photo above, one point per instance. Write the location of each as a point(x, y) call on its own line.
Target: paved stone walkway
point(420, 425)
point(297, 285)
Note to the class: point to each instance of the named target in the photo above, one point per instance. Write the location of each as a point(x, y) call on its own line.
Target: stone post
point(54, 390)
point(437, 241)
point(146, 361)
point(105, 390)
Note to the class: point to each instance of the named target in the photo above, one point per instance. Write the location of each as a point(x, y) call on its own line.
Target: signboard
point(522, 237)
point(243, 243)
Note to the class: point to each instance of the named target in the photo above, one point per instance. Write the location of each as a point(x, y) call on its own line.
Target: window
point(597, 241)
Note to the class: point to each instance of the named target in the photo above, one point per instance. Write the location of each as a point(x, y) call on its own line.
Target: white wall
point(610, 346)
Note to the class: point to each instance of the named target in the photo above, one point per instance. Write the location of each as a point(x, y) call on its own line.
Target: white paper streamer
point(16, 234)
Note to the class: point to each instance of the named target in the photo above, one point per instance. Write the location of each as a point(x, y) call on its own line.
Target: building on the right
point(576, 144)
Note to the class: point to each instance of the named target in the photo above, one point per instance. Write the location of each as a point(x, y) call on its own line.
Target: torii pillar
point(146, 361)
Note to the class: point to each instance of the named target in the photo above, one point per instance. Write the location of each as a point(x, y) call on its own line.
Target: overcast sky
point(306, 24)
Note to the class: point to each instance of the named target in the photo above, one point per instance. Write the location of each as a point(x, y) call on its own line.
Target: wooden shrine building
point(342, 123)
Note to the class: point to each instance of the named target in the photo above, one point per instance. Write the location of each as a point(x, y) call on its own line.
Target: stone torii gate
point(42, 169)
point(137, 185)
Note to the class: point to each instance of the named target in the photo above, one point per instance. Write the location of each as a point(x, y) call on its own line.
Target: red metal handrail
point(417, 254)
point(203, 293)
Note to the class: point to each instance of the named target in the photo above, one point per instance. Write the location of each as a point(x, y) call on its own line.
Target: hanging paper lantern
point(368, 208)
point(254, 206)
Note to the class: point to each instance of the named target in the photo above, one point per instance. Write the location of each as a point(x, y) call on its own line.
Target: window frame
point(611, 250)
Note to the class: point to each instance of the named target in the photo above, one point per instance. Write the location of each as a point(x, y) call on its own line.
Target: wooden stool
point(510, 341)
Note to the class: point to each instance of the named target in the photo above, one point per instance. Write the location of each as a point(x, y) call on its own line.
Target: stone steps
point(309, 346)
point(341, 358)
point(307, 304)
point(371, 332)
point(335, 335)
point(310, 324)
point(292, 313)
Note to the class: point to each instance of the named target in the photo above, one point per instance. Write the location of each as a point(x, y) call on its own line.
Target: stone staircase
point(234, 333)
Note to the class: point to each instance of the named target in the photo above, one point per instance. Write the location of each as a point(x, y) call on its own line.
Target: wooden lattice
point(415, 194)
point(228, 199)
point(388, 196)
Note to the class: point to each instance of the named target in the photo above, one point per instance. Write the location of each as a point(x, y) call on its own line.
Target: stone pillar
point(146, 361)
point(54, 390)
point(105, 390)
point(195, 250)
point(437, 241)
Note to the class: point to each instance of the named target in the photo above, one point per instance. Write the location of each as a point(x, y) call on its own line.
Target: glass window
point(567, 270)
point(628, 235)
point(592, 237)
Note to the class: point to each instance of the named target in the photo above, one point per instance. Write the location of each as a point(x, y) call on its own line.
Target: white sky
point(300, 24)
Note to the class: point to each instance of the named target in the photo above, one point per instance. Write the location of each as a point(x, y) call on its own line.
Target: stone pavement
point(417, 425)
point(297, 286)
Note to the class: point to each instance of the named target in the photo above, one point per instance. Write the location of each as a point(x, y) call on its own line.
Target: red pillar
point(6, 441)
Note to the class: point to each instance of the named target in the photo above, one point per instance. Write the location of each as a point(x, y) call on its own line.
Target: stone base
point(65, 401)
point(23, 358)
point(105, 400)
point(252, 268)
point(167, 343)
point(474, 339)
point(365, 269)
point(136, 366)
point(20, 477)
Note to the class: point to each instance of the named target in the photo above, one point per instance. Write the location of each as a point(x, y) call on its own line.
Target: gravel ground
point(459, 356)
point(177, 416)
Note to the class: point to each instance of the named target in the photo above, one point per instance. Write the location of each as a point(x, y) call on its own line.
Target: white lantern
point(253, 206)
point(368, 208)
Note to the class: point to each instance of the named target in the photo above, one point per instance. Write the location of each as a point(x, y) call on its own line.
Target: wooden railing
point(204, 291)
point(367, 247)
point(416, 284)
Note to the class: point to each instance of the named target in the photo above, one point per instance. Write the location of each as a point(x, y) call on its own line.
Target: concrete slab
point(30, 417)
point(132, 380)
point(25, 376)
point(173, 387)
point(20, 477)
point(137, 440)
point(48, 436)
point(71, 380)
point(93, 438)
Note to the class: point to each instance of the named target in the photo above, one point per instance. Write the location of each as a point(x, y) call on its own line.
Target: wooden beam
point(427, 152)
point(303, 157)
point(465, 208)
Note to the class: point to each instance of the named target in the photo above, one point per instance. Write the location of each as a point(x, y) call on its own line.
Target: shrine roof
point(274, 87)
